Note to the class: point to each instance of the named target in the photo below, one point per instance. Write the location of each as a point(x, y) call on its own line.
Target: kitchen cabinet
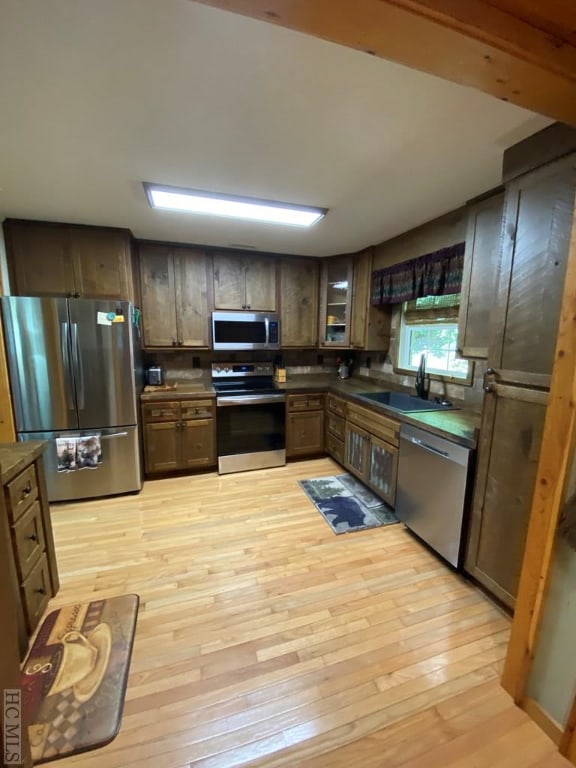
point(335, 427)
point(26, 521)
point(298, 302)
point(336, 301)
point(536, 232)
point(179, 435)
point(347, 319)
point(535, 241)
point(305, 425)
point(510, 437)
point(371, 450)
point(383, 469)
point(175, 296)
point(480, 276)
point(244, 281)
point(65, 260)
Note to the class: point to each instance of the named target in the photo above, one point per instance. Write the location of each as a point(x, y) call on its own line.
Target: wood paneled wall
point(432, 236)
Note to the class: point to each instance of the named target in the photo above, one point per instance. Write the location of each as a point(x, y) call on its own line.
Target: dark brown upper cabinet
point(244, 281)
point(298, 302)
point(480, 276)
point(47, 259)
point(174, 285)
point(336, 301)
point(535, 240)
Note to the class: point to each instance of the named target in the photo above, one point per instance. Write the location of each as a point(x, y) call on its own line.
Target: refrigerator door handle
point(79, 370)
point(66, 361)
point(116, 434)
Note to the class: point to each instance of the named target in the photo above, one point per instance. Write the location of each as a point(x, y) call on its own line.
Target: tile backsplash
point(189, 365)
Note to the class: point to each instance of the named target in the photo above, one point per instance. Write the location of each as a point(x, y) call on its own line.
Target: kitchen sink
point(403, 402)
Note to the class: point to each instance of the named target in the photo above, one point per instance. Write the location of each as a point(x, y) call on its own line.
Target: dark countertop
point(189, 390)
point(461, 426)
point(14, 457)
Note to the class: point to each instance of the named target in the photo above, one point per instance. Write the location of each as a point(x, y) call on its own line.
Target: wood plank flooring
point(265, 640)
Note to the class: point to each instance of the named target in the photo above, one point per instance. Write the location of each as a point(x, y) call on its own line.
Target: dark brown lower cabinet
point(179, 435)
point(383, 469)
point(304, 425)
point(335, 427)
point(197, 442)
point(511, 434)
point(367, 455)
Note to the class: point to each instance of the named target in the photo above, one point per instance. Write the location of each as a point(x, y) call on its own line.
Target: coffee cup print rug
point(74, 678)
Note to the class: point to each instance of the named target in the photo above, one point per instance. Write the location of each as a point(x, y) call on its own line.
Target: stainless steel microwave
point(245, 330)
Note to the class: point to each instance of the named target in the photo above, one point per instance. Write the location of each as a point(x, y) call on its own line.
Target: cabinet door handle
point(27, 490)
point(33, 537)
point(248, 306)
point(486, 386)
point(41, 591)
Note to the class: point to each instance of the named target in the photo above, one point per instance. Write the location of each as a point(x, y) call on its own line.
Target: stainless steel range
point(251, 417)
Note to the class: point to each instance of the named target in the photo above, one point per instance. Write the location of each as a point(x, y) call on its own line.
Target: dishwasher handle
point(447, 450)
point(422, 444)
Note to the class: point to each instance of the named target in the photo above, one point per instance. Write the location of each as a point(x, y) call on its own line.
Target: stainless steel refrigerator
point(76, 374)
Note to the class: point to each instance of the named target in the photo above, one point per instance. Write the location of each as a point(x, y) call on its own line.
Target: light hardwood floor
point(265, 640)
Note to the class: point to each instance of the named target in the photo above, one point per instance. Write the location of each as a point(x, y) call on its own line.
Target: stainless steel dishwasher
point(431, 494)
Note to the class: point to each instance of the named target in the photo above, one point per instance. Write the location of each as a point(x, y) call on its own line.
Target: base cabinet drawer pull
point(41, 591)
point(33, 537)
point(27, 490)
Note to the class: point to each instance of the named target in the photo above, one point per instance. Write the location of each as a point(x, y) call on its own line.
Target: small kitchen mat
point(74, 678)
point(346, 504)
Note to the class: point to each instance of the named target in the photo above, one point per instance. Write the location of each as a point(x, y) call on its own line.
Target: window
point(429, 327)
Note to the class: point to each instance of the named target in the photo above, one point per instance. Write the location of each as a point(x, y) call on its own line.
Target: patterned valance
point(434, 274)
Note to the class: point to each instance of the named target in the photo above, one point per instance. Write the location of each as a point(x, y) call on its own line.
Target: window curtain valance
point(434, 274)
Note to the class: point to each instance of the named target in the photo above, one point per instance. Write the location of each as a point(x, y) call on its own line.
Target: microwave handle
point(267, 326)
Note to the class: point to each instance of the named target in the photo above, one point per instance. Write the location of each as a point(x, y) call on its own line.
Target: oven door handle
point(250, 400)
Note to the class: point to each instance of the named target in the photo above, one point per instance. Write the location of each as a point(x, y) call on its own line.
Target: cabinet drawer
point(336, 426)
point(335, 448)
point(162, 411)
point(337, 405)
point(305, 402)
point(375, 423)
point(197, 409)
point(36, 593)
point(22, 492)
point(28, 535)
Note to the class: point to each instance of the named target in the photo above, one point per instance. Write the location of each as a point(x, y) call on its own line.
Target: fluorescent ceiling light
point(252, 209)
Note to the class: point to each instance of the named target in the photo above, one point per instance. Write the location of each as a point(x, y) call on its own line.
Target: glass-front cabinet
point(372, 460)
point(336, 302)
point(382, 469)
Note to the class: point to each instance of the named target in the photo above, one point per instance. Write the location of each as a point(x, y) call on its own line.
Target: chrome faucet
point(422, 381)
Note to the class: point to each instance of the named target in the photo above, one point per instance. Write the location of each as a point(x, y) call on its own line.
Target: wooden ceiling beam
point(473, 43)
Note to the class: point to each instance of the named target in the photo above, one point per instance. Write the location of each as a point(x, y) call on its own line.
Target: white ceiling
point(99, 96)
